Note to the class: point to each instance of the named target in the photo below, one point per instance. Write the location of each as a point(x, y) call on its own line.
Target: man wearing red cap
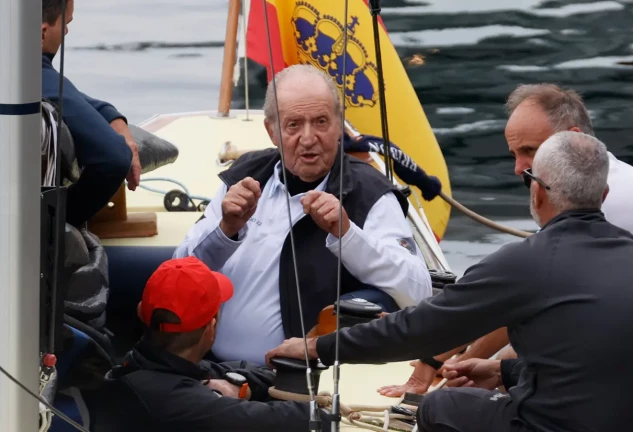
point(164, 381)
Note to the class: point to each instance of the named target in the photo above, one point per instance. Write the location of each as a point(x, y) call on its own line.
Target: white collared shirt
point(250, 323)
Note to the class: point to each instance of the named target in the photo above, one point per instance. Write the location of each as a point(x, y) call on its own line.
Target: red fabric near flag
point(257, 37)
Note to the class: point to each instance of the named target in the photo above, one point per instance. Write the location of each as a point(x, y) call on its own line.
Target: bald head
point(302, 80)
point(575, 166)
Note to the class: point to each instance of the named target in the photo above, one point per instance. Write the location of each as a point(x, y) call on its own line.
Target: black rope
point(336, 403)
point(375, 12)
point(315, 422)
point(58, 182)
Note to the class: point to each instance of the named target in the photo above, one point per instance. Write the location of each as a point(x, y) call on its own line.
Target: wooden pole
point(230, 48)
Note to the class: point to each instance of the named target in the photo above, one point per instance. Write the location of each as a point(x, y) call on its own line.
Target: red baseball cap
point(187, 288)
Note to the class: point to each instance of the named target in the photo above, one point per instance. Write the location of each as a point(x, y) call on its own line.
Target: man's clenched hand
point(482, 373)
point(238, 205)
point(324, 210)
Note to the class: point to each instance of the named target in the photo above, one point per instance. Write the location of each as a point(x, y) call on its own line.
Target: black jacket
point(157, 391)
point(566, 296)
point(363, 185)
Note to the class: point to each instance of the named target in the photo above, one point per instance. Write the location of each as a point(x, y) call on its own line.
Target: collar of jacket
point(47, 58)
point(261, 167)
point(146, 357)
point(587, 215)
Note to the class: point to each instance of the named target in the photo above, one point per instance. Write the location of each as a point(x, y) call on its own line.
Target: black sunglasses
point(528, 177)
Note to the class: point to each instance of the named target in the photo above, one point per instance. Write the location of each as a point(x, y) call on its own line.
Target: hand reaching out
point(419, 382)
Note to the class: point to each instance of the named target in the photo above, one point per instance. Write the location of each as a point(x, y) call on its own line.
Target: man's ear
point(210, 329)
point(574, 129)
point(271, 132)
point(606, 192)
point(44, 30)
point(539, 195)
point(138, 311)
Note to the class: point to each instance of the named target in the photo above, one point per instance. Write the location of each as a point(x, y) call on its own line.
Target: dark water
point(158, 56)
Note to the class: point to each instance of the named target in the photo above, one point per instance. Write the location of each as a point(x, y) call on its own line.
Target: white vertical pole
point(20, 95)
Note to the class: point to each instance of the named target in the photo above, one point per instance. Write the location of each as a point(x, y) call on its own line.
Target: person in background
point(245, 230)
point(164, 384)
point(564, 295)
point(536, 111)
point(106, 151)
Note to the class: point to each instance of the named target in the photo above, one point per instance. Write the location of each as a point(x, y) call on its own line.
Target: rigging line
point(245, 12)
point(336, 402)
point(44, 402)
point(313, 408)
point(375, 12)
point(58, 182)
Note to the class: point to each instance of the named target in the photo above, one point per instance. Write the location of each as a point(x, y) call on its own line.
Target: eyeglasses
point(528, 177)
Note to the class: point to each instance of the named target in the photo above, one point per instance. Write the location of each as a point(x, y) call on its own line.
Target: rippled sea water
point(158, 56)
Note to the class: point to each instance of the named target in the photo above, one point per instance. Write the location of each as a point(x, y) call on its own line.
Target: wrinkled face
point(52, 33)
point(527, 128)
point(310, 128)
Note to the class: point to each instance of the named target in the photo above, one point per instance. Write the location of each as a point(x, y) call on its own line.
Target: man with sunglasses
point(564, 295)
point(536, 112)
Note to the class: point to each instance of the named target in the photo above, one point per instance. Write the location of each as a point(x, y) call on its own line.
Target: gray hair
point(305, 72)
point(575, 166)
point(564, 107)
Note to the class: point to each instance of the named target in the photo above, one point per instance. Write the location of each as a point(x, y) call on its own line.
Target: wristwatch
point(435, 364)
point(238, 380)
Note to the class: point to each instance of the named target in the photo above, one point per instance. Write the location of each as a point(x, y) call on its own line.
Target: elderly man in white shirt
point(245, 230)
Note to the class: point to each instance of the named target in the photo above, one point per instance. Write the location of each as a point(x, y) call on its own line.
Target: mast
point(228, 62)
point(20, 123)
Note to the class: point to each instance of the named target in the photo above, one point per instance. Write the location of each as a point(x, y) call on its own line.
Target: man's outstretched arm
point(206, 411)
point(478, 304)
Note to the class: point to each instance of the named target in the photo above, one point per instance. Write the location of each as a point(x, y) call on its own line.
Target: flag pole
point(228, 62)
point(374, 8)
point(20, 142)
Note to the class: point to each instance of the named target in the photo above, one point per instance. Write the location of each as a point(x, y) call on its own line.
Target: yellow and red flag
point(311, 32)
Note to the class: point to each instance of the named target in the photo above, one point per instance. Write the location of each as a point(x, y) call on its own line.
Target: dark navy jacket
point(102, 154)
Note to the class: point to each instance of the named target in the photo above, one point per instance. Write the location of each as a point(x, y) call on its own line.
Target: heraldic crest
point(320, 43)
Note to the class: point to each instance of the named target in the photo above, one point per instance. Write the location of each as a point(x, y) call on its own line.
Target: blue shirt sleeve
point(107, 110)
point(102, 153)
